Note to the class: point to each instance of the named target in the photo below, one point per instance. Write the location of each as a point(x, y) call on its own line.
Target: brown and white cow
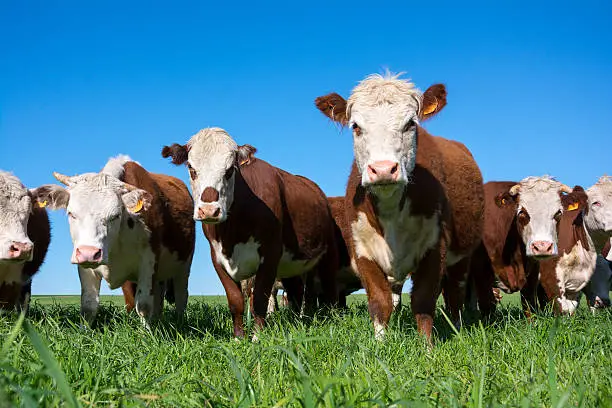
point(535, 235)
point(259, 220)
point(127, 225)
point(24, 239)
point(414, 201)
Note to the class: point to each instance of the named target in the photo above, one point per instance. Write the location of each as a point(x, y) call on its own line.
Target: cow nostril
point(217, 212)
point(372, 169)
point(394, 168)
point(13, 248)
point(98, 255)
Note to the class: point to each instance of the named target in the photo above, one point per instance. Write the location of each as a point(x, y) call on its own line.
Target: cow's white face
point(213, 159)
point(98, 207)
point(383, 113)
point(15, 209)
point(599, 215)
point(539, 210)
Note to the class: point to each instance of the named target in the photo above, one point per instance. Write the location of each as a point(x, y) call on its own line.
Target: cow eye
point(356, 129)
point(557, 216)
point(409, 126)
point(192, 173)
point(71, 215)
point(229, 173)
point(596, 204)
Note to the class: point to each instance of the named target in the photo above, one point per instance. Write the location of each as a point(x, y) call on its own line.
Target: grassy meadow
point(330, 360)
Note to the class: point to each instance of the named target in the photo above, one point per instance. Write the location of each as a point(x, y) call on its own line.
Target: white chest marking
point(574, 270)
point(243, 263)
point(10, 273)
point(288, 267)
point(406, 240)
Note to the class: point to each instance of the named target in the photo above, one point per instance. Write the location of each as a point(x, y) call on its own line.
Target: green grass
point(330, 360)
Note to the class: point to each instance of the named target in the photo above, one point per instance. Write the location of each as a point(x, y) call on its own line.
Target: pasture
point(331, 360)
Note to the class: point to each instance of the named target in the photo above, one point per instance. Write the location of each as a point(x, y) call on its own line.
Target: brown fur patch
point(333, 106)
point(434, 100)
point(210, 195)
point(179, 153)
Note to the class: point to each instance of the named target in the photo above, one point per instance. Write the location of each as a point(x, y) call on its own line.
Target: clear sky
point(528, 88)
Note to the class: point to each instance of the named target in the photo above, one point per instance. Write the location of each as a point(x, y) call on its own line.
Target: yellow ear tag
point(42, 204)
point(573, 206)
point(430, 108)
point(503, 201)
point(245, 161)
point(137, 207)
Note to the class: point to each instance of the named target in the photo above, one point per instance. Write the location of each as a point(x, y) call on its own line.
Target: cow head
point(540, 202)
point(384, 113)
point(15, 209)
point(98, 206)
point(212, 158)
point(598, 218)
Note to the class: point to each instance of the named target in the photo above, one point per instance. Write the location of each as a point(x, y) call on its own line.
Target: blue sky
point(529, 88)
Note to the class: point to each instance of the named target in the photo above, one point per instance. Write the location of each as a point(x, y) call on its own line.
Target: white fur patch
point(10, 273)
point(288, 267)
point(406, 240)
point(574, 270)
point(244, 262)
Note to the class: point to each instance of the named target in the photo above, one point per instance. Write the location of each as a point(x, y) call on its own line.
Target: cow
point(537, 242)
point(597, 291)
point(25, 235)
point(126, 225)
point(247, 292)
point(598, 220)
point(414, 202)
point(259, 221)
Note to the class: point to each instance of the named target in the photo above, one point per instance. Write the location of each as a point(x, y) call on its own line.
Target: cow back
point(169, 218)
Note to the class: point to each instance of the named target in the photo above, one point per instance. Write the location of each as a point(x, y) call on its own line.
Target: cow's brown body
point(17, 294)
point(446, 182)
point(282, 213)
point(347, 281)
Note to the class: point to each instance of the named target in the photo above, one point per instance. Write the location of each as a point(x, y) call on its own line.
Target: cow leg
point(380, 303)
point(482, 278)
point(529, 293)
point(129, 292)
point(264, 280)
point(326, 270)
point(90, 293)
point(396, 293)
point(294, 289)
point(159, 289)
point(235, 299)
point(147, 288)
point(425, 290)
point(25, 296)
point(272, 303)
point(181, 292)
point(454, 289)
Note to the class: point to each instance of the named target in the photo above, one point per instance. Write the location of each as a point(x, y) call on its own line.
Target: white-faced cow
point(24, 239)
point(598, 220)
point(127, 225)
point(536, 236)
point(259, 220)
point(414, 201)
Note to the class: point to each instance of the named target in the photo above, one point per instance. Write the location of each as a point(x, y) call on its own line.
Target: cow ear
point(434, 99)
point(51, 196)
point(245, 154)
point(333, 106)
point(137, 201)
point(504, 199)
point(179, 153)
point(576, 200)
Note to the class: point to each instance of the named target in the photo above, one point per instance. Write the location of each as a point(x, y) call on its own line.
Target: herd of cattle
point(415, 207)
